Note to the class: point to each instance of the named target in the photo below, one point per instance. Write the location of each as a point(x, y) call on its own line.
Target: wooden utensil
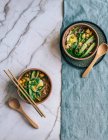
point(14, 104)
point(22, 90)
point(102, 49)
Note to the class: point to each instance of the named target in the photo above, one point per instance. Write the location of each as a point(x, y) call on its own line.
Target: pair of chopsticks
point(24, 92)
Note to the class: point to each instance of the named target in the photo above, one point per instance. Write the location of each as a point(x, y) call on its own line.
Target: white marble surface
point(29, 37)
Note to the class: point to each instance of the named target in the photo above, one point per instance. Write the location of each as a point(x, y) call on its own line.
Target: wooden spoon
point(102, 49)
point(14, 104)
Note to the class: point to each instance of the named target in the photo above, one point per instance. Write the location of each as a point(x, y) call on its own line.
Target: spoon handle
point(29, 119)
point(90, 67)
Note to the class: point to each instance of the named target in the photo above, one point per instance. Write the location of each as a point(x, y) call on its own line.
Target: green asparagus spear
point(85, 44)
point(89, 49)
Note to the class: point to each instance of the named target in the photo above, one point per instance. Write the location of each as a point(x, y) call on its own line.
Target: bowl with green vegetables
point(80, 42)
point(37, 84)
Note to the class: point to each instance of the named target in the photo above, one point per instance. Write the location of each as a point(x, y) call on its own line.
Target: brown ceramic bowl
point(35, 69)
point(65, 37)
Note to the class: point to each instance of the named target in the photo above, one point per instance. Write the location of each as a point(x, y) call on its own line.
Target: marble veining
point(29, 37)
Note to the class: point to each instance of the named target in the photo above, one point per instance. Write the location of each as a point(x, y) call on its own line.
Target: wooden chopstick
point(27, 97)
point(26, 92)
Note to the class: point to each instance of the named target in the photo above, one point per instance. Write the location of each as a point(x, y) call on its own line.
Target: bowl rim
point(38, 69)
point(89, 26)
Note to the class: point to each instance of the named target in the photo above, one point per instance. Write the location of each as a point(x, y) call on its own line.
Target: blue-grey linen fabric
point(84, 106)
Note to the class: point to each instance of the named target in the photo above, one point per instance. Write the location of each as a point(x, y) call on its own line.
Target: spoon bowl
point(103, 49)
point(13, 103)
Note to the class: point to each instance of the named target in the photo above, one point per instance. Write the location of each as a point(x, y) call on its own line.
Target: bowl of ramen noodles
point(37, 84)
point(80, 42)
